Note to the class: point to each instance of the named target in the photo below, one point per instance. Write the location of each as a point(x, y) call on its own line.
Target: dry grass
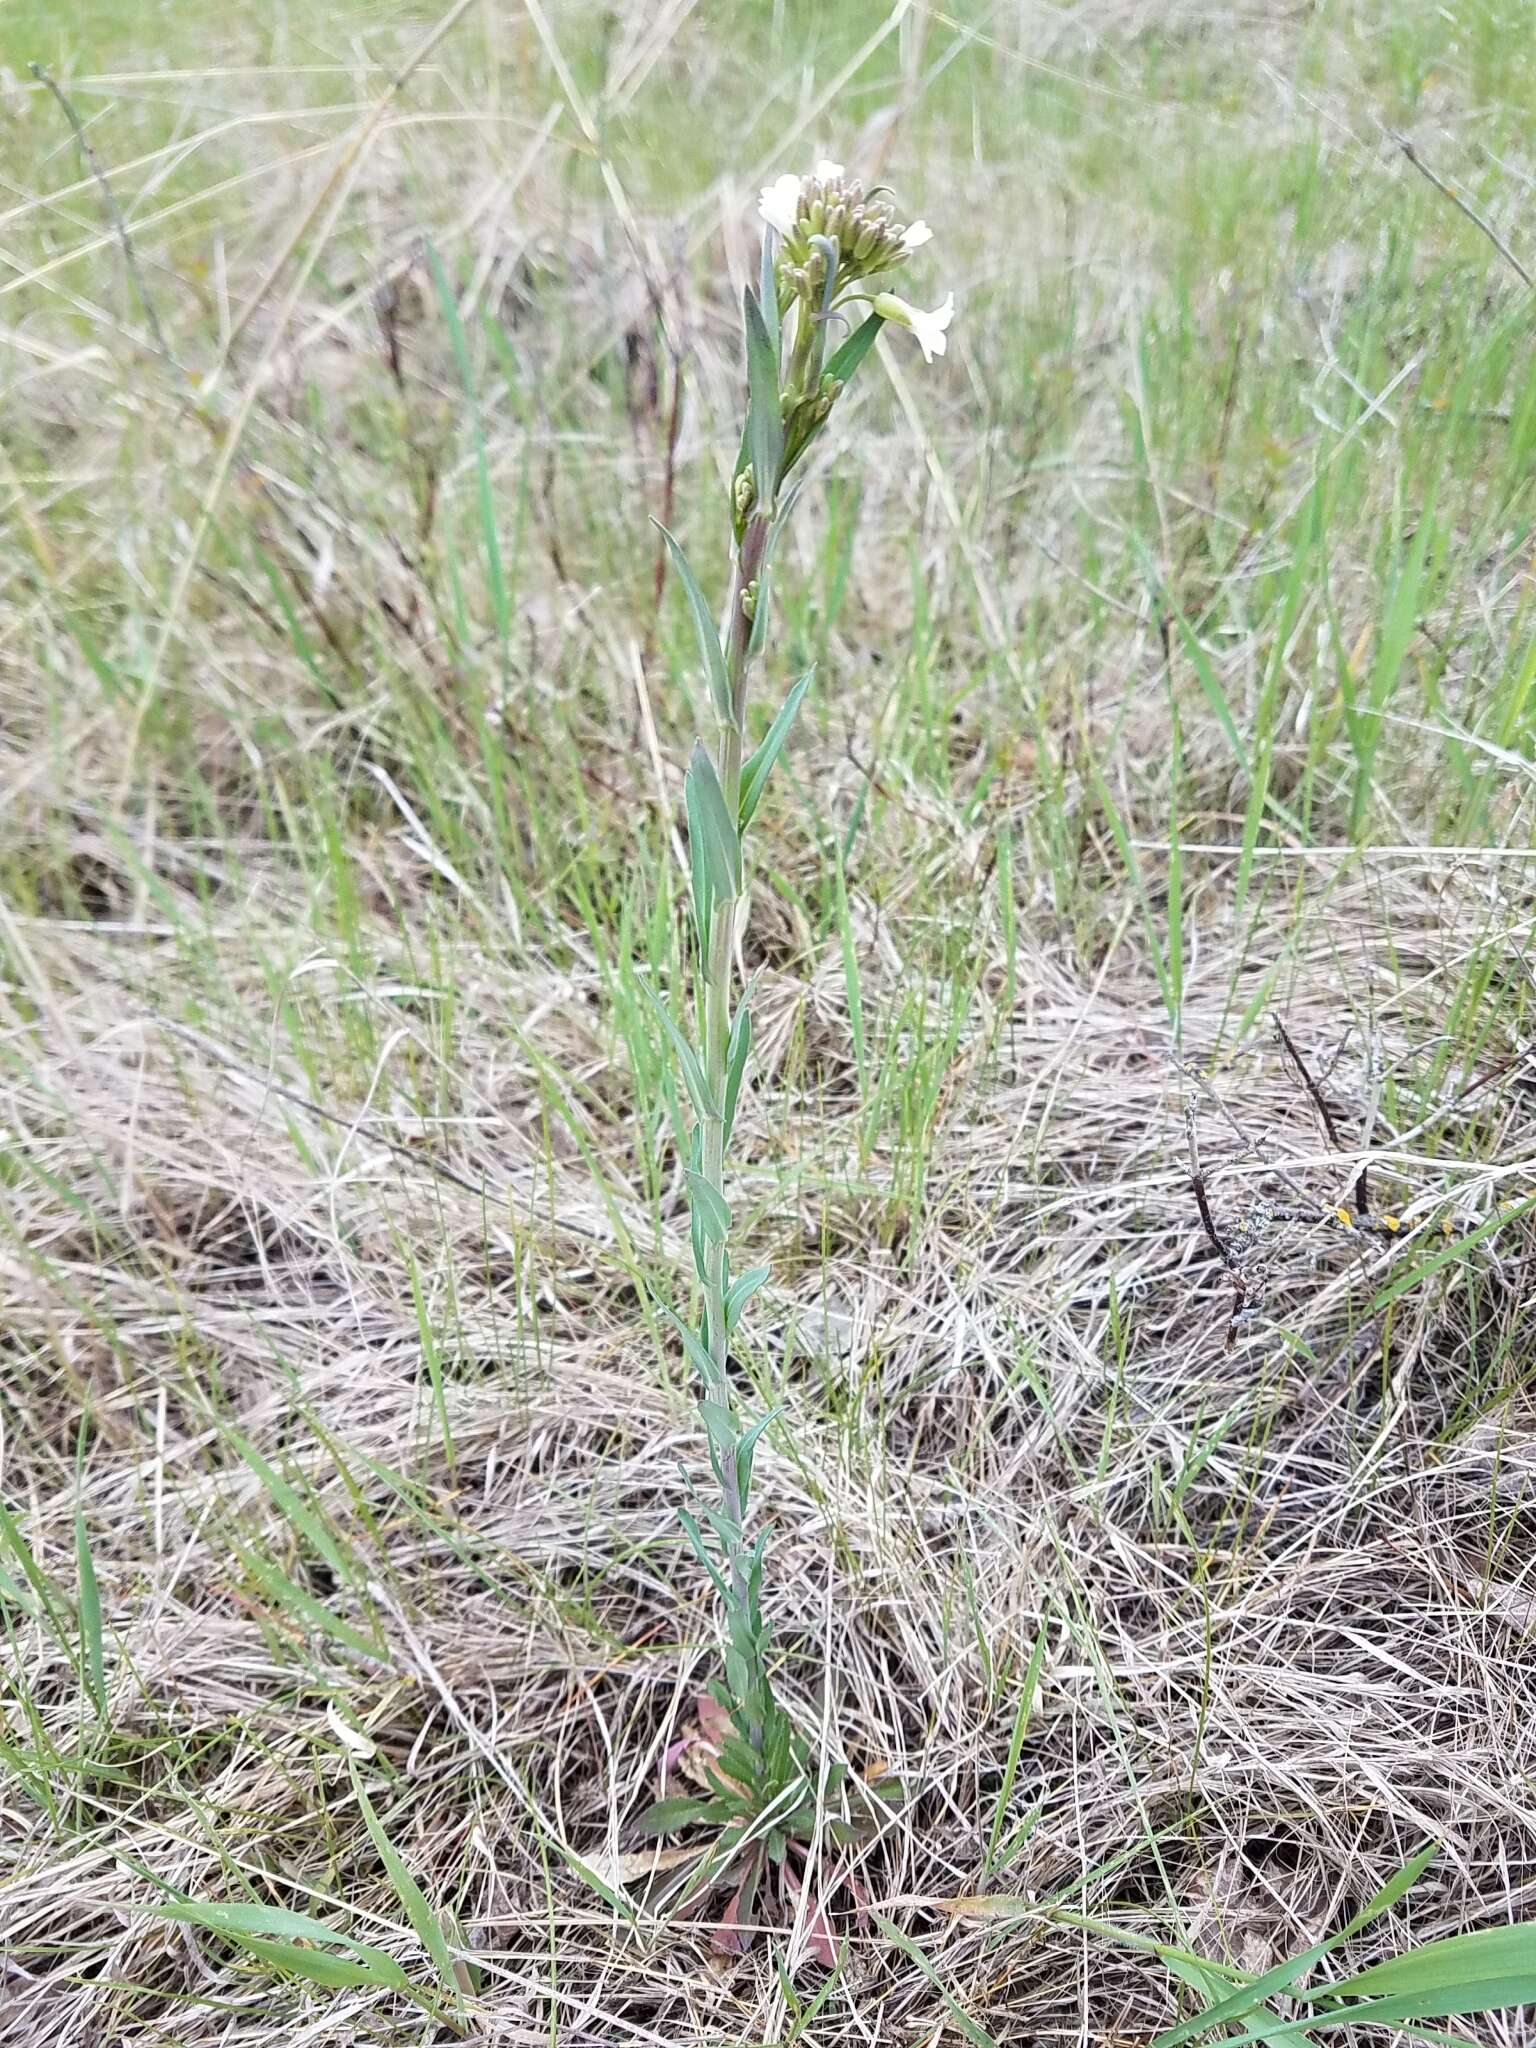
point(331, 1224)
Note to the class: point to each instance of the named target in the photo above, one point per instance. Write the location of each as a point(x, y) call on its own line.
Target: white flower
point(915, 236)
point(779, 202)
point(928, 327)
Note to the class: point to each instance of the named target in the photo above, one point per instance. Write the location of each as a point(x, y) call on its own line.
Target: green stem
point(719, 988)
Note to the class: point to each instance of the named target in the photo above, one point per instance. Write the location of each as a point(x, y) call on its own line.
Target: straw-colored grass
point(1181, 680)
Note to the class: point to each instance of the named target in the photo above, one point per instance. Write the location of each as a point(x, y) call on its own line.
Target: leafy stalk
point(761, 1792)
point(720, 806)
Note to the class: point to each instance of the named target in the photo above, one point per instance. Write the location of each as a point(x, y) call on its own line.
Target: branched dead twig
point(1465, 206)
point(1319, 1103)
point(1218, 1242)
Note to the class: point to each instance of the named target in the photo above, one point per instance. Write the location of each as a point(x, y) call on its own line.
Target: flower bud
point(860, 230)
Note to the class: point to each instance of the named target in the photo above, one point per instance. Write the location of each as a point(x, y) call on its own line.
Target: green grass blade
point(92, 1654)
point(972, 2029)
point(418, 1911)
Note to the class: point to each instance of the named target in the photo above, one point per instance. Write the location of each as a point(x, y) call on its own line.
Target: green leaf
point(970, 2028)
point(269, 1932)
point(18, 1595)
point(768, 287)
point(1464, 1973)
point(741, 1291)
point(1248, 1996)
point(845, 360)
point(761, 612)
point(1454, 1967)
point(687, 1058)
point(303, 1519)
point(305, 1606)
point(1016, 1743)
point(700, 1549)
point(666, 1816)
point(739, 1760)
point(698, 1356)
point(336, 1973)
point(501, 602)
point(1414, 1274)
point(759, 764)
point(1208, 1982)
point(736, 1054)
point(721, 1426)
point(419, 1912)
point(710, 1206)
point(238, 1917)
point(746, 1451)
point(703, 893)
point(765, 426)
point(710, 650)
point(709, 826)
point(10, 1534)
point(90, 1619)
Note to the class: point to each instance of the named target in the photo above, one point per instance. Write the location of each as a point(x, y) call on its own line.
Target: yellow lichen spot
point(1392, 1222)
point(1345, 1218)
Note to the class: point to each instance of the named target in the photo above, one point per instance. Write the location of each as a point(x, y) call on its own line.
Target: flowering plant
point(825, 239)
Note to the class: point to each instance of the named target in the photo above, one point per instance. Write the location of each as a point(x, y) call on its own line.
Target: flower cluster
point(829, 208)
point(833, 235)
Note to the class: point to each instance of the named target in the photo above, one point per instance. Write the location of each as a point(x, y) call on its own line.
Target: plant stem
point(718, 991)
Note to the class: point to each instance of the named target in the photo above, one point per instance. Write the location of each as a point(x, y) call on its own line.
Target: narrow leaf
point(710, 826)
point(759, 764)
point(746, 1451)
point(768, 287)
point(736, 1054)
point(501, 604)
point(1450, 1966)
point(710, 1206)
point(1210, 1984)
point(271, 1931)
point(336, 1973)
point(698, 1356)
point(710, 650)
point(721, 1425)
point(765, 426)
point(1248, 1996)
point(971, 2029)
point(703, 893)
point(1453, 1251)
point(423, 1920)
point(700, 1549)
point(303, 1519)
point(1016, 1744)
point(90, 1619)
point(687, 1059)
point(741, 1292)
point(845, 360)
point(305, 1606)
